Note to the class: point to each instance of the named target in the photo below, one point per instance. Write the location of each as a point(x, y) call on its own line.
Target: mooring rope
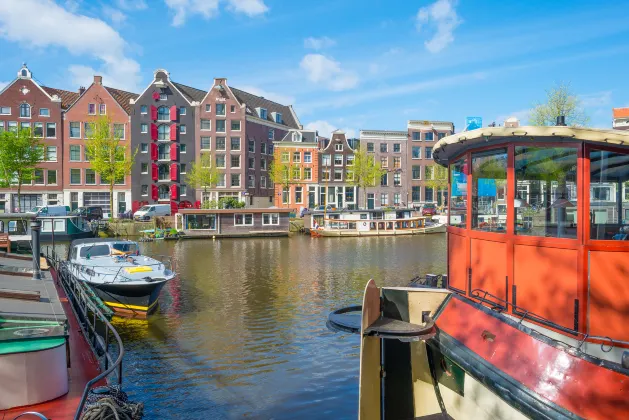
point(111, 403)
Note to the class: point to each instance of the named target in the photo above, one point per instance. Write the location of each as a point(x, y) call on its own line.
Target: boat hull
point(130, 299)
point(400, 232)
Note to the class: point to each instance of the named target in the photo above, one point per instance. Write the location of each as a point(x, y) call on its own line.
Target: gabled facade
point(238, 129)
point(163, 121)
point(335, 172)
point(300, 149)
point(82, 187)
point(24, 103)
point(422, 136)
point(389, 148)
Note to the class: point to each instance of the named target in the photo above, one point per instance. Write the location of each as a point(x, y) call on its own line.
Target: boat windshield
point(94, 251)
point(126, 247)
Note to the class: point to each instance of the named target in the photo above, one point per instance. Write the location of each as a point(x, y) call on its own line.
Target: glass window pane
point(458, 193)
point(609, 195)
point(546, 192)
point(489, 184)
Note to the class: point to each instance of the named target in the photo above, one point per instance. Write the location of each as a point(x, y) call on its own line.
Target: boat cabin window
point(364, 216)
point(458, 193)
point(489, 188)
point(94, 251)
point(126, 247)
point(201, 221)
point(546, 191)
point(17, 227)
point(378, 215)
point(609, 195)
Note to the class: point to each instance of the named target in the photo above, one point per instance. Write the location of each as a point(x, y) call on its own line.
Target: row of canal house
point(170, 124)
point(322, 168)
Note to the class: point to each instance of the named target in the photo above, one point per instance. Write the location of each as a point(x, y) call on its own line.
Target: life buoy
point(364, 223)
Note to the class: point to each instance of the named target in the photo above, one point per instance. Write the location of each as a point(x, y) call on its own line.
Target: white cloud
point(274, 96)
point(131, 4)
point(72, 5)
point(442, 16)
point(328, 72)
point(319, 43)
point(114, 15)
point(210, 8)
point(19, 24)
point(596, 100)
point(522, 115)
point(325, 129)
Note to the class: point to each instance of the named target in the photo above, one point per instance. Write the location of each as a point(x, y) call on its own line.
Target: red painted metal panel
point(154, 112)
point(609, 295)
point(174, 152)
point(154, 192)
point(173, 132)
point(174, 171)
point(173, 113)
point(174, 191)
point(154, 151)
point(154, 171)
point(458, 252)
point(584, 388)
point(489, 268)
point(153, 131)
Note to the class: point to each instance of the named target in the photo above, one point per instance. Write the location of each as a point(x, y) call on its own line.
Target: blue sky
point(342, 63)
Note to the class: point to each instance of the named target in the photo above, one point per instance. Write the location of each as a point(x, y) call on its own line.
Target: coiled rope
point(111, 403)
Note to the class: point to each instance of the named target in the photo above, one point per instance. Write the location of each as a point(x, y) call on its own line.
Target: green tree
point(282, 171)
point(560, 101)
point(20, 155)
point(109, 157)
point(366, 171)
point(203, 175)
point(437, 179)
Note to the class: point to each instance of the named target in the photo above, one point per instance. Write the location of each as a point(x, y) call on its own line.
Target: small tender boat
point(126, 281)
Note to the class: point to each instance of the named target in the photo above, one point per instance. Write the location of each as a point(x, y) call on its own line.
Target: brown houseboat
point(531, 318)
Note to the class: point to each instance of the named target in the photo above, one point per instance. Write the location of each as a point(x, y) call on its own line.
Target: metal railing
point(110, 274)
point(90, 317)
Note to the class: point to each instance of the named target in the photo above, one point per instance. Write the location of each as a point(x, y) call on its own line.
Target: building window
point(384, 180)
point(416, 136)
point(182, 110)
point(221, 179)
point(338, 174)
point(220, 143)
point(285, 195)
point(75, 153)
point(384, 162)
point(296, 157)
point(235, 161)
point(144, 128)
point(326, 175)
point(5, 110)
point(251, 182)
point(397, 148)
point(235, 180)
point(183, 189)
point(90, 177)
point(370, 147)
point(44, 112)
point(417, 172)
point(220, 109)
point(208, 107)
point(243, 219)
point(163, 132)
point(163, 172)
point(235, 125)
point(206, 143)
point(349, 160)
point(182, 168)
point(338, 160)
point(252, 146)
point(308, 174)
point(51, 153)
point(52, 177)
point(206, 124)
point(25, 126)
point(88, 130)
point(384, 199)
point(263, 164)
point(440, 135)
point(338, 147)
point(397, 162)
point(428, 136)
point(308, 157)
point(429, 172)
point(220, 126)
point(429, 193)
point(271, 134)
point(251, 163)
point(326, 160)
point(102, 109)
point(145, 190)
point(417, 152)
point(428, 152)
point(38, 130)
point(262, 182)
point(119, 131)
point(415, 195)
point(285, 157)
point(143, 109)
point(51, 130)
point(296, 173)
point(163, 152)
point(144, 147)
point(270, 218)
point(182, 148)
point(182, 129)
point(163, 113)
point(235, 143)
point(396, 199)
point(299, 195)
point(263, 113)
point(220, 161)
point(25, 111)
point(383, 147)
point(12, 126)
point(397, 179)
point(144, 168)
point(232, 108)
point(278, 118)
point(38, 177)
point(91, 109)
point(263, 148)
point(75, 176)
point(163, 97)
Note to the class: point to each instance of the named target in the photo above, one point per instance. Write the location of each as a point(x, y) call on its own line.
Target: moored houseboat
point(531, 319)
point(370, 223)
point(66, 228)
point(233, 223)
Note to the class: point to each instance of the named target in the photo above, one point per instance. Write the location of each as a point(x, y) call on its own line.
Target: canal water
point(241, 333)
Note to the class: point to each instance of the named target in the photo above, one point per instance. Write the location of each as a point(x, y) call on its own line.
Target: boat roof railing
point(91, 241)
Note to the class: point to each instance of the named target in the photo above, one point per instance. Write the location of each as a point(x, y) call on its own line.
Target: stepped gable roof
point(192, 94)
point(122, 97)
point(67, 97)
point(254, 101)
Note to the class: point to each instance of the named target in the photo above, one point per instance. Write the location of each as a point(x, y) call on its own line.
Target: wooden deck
point(84, 367)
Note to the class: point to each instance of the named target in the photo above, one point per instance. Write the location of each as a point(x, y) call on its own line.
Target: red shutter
point(135, 205)
point(153, 131)
point(153, 113)
point(173, 132)
point(174, 171)
point(174, 191)
point(174, 208)
point(154, 192)
point(154, 151)
point(156, 96)
point(173, 113)
point(174, 152)
point(197, 204)
point(154, 171)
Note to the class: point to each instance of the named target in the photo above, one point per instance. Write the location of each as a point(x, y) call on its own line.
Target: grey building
point(389, 148)
point(335, 172)
point(163, 129)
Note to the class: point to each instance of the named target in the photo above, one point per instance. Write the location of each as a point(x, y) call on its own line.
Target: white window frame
point(145, 111)
point(230, 180)
point(48, 171)
point(142, 187)
point(55, 136)
point(262, 182)
point(338, 147)
point(183, 148)
point(55, 149)
point(263, 164)
point(183, 110)
point(88, 109)
point(100, 109)
point(182, 129)
point(239, 144)
point(147, 148)
point(270, 219)
point(224, 128)
point(3, 112)
point(307, 157)
point(310, 177)
point(336, 171)
point(239, 161)
point(201, 143)
point(74, 183)
point(147, 168)
point(298, 155)
point(43, 115)
point(124, 129)
point(142, 128)
point(208, 108)
point(95, 176)
point(163, 97)
point(244, 218)
point(420, 153)
point(201, 125)
point(239, 125)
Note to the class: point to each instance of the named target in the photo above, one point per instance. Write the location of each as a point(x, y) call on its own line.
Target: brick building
point(335, 172)
point(389, 148)
point(25, 103)
point(83, 187)
point(300, 148)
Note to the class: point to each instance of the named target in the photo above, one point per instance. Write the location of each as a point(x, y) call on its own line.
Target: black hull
point(132, 299)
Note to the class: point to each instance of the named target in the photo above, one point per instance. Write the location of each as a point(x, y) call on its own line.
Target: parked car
point(152, 210)
point(429, 209)
point(49, 211)
point(89, 212)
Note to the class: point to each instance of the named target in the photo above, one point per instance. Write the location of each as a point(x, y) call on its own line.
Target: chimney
point(561, 120)
point(81, 90)
point(98, 80)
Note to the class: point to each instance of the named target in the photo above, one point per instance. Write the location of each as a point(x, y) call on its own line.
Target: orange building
point(299, 149)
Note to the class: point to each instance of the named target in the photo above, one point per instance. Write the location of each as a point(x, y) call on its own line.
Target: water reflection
point(242, 331)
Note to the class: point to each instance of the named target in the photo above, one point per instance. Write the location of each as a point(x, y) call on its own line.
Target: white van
point(152, 210)
point(41, 211)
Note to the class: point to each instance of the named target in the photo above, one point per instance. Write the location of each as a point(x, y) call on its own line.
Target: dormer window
point(278, 118)
point(262, 113)
point(338, 147)
point(296, 137)
point(24, 73)
point(25, 111)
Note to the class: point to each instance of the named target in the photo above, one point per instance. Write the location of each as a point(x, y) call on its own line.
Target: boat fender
point(364, 223)
point(625, 359)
